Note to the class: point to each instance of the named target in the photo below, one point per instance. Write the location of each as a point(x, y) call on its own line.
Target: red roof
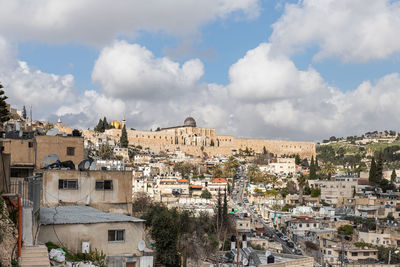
point(183, 181)
point(219, 180)
point(167, 181)
point(196, 186)
point(363, 182)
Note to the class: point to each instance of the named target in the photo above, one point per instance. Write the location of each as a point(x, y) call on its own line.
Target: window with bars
point(104, 185)
point(68, 184)
point(116, 235)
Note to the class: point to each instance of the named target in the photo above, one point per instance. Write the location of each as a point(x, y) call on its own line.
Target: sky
point(274, 69)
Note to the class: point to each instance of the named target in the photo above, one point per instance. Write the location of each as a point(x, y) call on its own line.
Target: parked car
point(298, 252)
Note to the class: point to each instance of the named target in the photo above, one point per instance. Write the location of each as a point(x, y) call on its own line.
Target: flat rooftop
point(80, 215)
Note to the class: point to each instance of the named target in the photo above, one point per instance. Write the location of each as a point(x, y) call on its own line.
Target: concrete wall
point(72, 236)
point(23, 151)
point(20, 151)
point(58, 145)
point(118, 199)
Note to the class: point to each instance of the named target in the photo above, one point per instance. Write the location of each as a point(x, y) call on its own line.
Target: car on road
point(259, 216)
point(290, 244)
point(280, 235)
point(284, 238)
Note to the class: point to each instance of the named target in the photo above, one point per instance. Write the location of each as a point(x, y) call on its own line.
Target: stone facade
point(196, 141)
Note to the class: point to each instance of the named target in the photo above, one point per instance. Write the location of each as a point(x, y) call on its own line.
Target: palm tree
point(328, 169)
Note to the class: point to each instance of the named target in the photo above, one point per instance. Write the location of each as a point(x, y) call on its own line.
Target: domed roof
point(189, 122)
point(116, 124)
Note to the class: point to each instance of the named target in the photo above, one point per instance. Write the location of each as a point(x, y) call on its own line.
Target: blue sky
point(298, 68)
point(219, 45)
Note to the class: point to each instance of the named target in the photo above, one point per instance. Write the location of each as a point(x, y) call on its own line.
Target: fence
point(29, 189)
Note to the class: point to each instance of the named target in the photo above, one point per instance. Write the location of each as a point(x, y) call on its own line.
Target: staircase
point(35, 256)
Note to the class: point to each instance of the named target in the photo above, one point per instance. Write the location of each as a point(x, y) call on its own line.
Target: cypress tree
point(316, 163)
point(105, 125)
point(225, 210)
point(393, 176)
point(99, 126)
point(124, 138)
point(297, 159)
point(372, 173)
point(264, 151)
point(379, 168)
point(219, 209)
point(4, 112)
point(313, 173)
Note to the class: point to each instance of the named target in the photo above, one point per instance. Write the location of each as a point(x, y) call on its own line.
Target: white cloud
point(131, 71)
point(260, 75)
point(27, 86)
point(100, 21)
point(275, 99)
point(357, 30)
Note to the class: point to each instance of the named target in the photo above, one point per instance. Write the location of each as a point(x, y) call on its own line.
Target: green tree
point(106, 125)
point(105, 152)
point(328, 169)
point(24, 113)
point(372, 173)
point(164, 231)
point(225, 210)
point(315, 192)
point(124, 138)
point(205, 194)
point(346, 230)
point(379, 168)
point(99, 126)
point(313, 171)
point(393, 176)
point(4, 112)
point(291, 187)
point(264, 151)
point(297, 159)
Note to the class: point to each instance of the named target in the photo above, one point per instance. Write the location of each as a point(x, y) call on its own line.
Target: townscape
point(118, 197)
point(199, 133)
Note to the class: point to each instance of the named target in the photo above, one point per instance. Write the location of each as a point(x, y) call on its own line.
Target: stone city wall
point(195, 141)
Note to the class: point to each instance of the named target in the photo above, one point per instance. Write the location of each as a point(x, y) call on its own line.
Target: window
point(366, 253)
point(116, 235)
point(70, 151)
point(354, 254)
point(104, 185)
point(30, 144)
point(68, 184)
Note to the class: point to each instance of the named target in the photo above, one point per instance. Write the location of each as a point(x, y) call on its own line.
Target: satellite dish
point(93, 166)
point(52, 132)
point(84, 165)
point(50, 159)
point(141, 245)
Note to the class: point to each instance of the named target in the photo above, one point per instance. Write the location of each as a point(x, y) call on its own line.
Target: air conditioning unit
point(85, 247)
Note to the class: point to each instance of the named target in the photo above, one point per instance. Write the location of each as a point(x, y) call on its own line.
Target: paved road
point(268, 230)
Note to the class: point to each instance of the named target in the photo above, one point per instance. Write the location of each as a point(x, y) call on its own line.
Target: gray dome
point(189, 122)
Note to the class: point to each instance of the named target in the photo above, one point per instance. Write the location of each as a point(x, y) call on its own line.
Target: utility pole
point(390, 255)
